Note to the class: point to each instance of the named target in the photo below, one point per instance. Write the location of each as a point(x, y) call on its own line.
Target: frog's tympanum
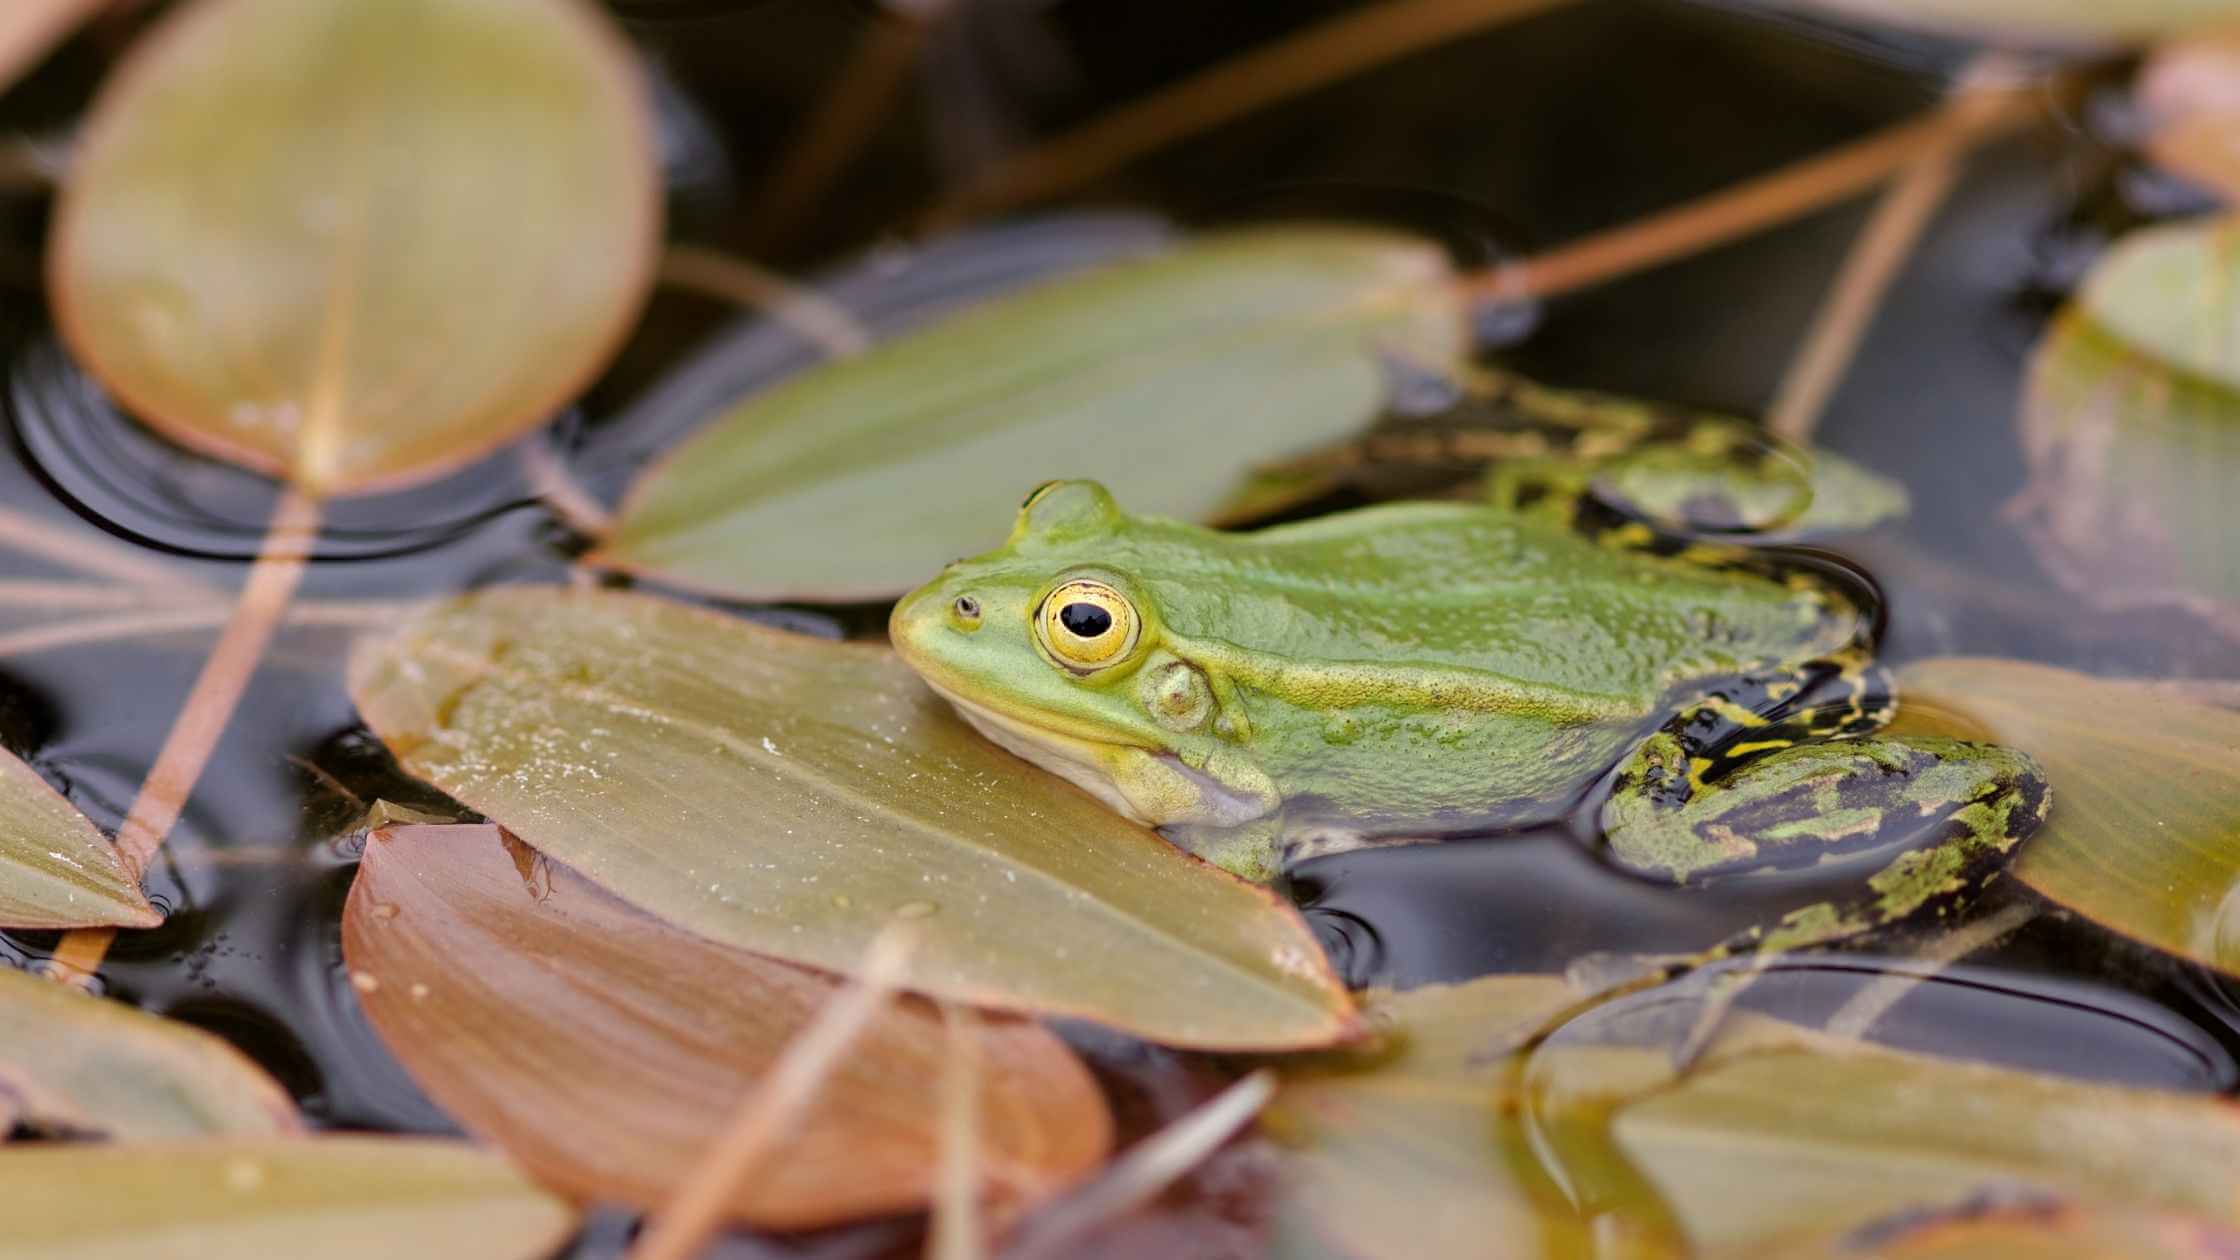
point(1426, 669)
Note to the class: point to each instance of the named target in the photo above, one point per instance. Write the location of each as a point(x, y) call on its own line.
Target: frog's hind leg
point(1951, 807)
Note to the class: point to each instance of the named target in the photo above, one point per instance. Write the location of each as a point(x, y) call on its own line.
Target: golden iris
point(1086, 625)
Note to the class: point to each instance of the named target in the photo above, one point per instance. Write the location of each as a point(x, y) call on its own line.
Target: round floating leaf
point(354, 244)
point(85, 1066)
point(2065, 21)
point(605, 1050)
point(791, 796)
point(56, 869)
point(2131, 426)
point(1165, 377)
point(335, 1198)
point(2144, 836)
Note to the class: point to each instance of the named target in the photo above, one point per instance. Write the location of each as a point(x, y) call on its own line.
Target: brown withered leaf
point(604, 1049)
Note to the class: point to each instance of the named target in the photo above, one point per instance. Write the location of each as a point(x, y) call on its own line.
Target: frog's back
point(1465, 586)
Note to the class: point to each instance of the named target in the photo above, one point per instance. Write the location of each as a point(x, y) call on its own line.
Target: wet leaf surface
point(791, 796)
point(358, 244)
point(2144, 836)
point(2131, 427)
point(84, 1066)
point(335, 1198)
point(1238, 348)
point(604, 1049)
point(56, 869)
point(1416, 1146)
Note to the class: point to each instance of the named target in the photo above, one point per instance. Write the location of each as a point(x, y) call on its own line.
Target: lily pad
point(56, 869)
point(356, 245)
point(609, 1075)
point(336, 1198)
point(2144, 836)
point(1237, 347)
point(86, 1066)
point(1413, 1147)
point(791, 796)
point(2131, 427)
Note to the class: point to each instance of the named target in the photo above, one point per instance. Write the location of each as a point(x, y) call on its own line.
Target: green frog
point(1417, 670)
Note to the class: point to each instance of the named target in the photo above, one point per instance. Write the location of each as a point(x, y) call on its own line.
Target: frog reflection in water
point(1421, 669)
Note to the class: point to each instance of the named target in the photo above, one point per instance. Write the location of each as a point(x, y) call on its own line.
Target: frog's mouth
point(1164, 791)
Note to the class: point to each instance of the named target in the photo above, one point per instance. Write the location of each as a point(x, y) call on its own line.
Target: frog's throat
point(1153, 788)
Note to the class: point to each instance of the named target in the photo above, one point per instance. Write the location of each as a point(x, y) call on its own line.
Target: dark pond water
point(1529, 136)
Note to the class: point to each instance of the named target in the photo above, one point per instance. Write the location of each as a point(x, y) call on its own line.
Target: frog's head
point(1053, 650)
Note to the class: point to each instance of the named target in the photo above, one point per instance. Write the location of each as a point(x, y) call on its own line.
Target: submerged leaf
point(358, 244)
point(335, 1198)
point(1768, 1144)
point(56, 869)
point(791, 796)
point(609, 1076)
point(1166, 377)
point(1402, 1151)
point(2144, 836)
point(2067, 21)
point(1418, 1146)
point(85, 1066)
point(2131, 426)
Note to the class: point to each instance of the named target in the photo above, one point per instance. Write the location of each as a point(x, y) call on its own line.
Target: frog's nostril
point(965, 611)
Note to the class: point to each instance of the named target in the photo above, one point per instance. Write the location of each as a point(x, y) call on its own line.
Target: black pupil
point(1085, 621)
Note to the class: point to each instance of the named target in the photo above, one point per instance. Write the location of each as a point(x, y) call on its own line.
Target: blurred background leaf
point(2131, 427)
point(81, 1066)
point(354, 245)
point(338, 1198)
point(1168, 378)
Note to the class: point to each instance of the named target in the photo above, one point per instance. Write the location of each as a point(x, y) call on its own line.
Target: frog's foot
point(1954, 808)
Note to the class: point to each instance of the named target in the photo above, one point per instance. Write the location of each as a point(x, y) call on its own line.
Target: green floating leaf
point(791, 796)
point(56, 869)
point(605, 1050)
point(334, 1198)
point(2065, 21)
point(2144, 836)
point(1167, 378)
point(1415, 1148)
point(85, 1066)
point(358, 244)
point(2131, 427)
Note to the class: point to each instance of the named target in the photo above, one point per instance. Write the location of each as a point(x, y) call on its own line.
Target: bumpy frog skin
point(1422, 669)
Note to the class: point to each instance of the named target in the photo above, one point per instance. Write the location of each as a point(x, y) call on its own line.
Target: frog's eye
point(1086, 625)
